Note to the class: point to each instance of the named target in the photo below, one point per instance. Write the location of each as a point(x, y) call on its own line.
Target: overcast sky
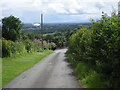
point(56, 11)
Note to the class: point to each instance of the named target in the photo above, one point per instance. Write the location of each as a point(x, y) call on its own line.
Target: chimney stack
point(119, 10)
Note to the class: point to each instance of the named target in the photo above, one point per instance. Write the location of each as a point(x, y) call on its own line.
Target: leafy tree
point(23, 36)
point(49, 37)
point(31, 36)
point(38, 36)
point(0, 32)
point(11, 27)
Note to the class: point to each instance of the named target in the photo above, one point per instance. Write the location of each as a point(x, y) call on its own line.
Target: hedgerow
point(98, 45)
point(10, 48)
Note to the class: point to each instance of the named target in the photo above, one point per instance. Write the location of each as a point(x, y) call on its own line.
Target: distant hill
point(51, 27)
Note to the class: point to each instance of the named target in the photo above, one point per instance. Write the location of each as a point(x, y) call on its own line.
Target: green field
point(13, 66)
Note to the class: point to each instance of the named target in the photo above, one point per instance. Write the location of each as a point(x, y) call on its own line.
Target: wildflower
point(47, 41)
point(35, 40)
point(44, 45)
point(40, 39)
point(44, 41)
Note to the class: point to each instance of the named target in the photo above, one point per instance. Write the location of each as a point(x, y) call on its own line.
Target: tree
point(23, 36)
point(31, 36)
point(11, 28)
point(0, 32)
point(49, 37)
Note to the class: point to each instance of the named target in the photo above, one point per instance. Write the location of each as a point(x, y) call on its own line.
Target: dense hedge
point(99, 46)
point(10, 48)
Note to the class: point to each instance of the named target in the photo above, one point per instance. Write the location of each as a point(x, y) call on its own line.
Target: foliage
point(53, 46)
point(58, 38)
point(24, 36)
point(29, 45)
point(98, 46)
point(88, 77)
point(11, 27)
point(31, 36)
point(51, 28)
point(10, 48)
point(57, 33)
point(0, 32)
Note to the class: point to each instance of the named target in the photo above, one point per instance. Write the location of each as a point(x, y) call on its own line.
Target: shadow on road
point(69, 65)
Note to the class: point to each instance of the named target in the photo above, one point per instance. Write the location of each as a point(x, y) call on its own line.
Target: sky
point(56, 11)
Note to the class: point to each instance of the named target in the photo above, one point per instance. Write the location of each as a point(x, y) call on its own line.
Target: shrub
point(18, 48)
point(53, 46)
point(99, 46)
point(10, 48)
point(6, 48)
point(29, 45)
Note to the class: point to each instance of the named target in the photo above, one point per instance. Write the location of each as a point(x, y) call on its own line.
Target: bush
point(94, 80)
point(18, 48)
point(6, 48)
point(29, 45)
point(38, 44)
point(82, 70)
point(53, 46)
point(99, 46)
point(10, 48)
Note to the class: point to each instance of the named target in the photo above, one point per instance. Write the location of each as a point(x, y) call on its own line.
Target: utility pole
point(119, 10)
point(42, 29)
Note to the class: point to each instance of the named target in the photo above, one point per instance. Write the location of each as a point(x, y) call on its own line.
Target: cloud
point(83, 8)
point(73, 11)
point(99, 5)
point(57, 7)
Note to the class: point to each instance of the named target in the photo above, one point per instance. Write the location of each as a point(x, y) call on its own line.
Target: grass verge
point(0, 72)
point(87, 76)
point(13, 66)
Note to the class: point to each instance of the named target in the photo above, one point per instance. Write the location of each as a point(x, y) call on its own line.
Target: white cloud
point(83, 8)
point(37, 3)
point(58, 8)
point(71, 5)
point(73, 11)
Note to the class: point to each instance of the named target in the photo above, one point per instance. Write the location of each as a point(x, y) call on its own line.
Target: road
point(54, 71)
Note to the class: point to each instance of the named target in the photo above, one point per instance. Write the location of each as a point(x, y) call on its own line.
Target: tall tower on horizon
point(41, 23)
point(119, 10)
point(42, 29)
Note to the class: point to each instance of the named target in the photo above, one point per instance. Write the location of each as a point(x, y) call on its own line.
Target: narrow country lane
point(54, 71)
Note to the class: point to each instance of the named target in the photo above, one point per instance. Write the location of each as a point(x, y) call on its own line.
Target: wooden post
point(119, 10)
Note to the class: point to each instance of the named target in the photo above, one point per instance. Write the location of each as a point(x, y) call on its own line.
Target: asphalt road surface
point(54, 71)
